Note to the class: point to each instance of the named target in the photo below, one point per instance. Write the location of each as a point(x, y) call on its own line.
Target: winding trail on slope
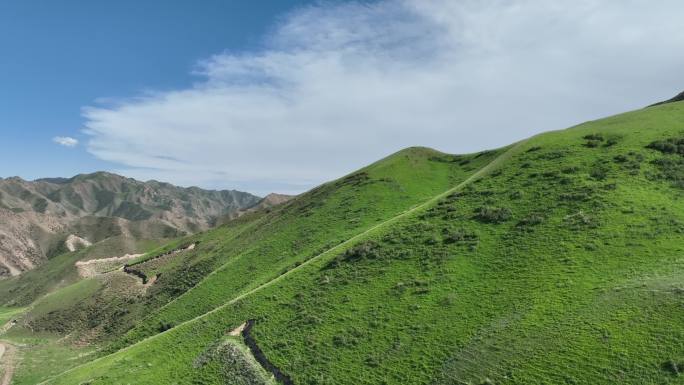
point(96, 267)
point(7, 354)
point(8, 351)
point(514, 149)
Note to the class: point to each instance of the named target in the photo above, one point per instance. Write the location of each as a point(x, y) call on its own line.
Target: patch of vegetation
point(460, 235)
point(40, 205)
point(671, 169)
point(41, 355)
point(234, 363)
point(668, 146)
point(593, 140)
point(630, 161)
point(490, 214)
point(671, 166)
point(366, 250)
point(533, 219)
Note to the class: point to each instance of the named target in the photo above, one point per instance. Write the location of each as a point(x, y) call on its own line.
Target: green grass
point(65, 298)
point(55, 299)
point(60, 271)
point(232, 362)
point(259, 248)
point(41, 355)
point(9, 313)
point(554, 261)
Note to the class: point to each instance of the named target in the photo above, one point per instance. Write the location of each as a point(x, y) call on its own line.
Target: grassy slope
point(48, 292)
point(562, 265)
point(60, 271)
point(65, 297)
point(275, 242)
point(41, 354)
point(260, 246)
point(8, 313)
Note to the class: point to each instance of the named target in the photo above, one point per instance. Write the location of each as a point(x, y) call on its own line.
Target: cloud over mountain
point(336, 86)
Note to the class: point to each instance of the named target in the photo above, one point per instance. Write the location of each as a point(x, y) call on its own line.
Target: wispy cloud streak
point(65, 141)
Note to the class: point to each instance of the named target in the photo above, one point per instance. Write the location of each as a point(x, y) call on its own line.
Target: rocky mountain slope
point(268, 202)
point(38, 217)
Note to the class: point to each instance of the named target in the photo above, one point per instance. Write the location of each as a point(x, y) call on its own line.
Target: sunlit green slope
point(249, 251)
point(283, 239)
point(556, 261)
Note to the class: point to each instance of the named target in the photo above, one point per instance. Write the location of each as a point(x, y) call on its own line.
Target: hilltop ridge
point(678, 98)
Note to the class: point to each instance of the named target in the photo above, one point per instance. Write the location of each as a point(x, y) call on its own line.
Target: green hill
point(557, 260)
point(262, 245)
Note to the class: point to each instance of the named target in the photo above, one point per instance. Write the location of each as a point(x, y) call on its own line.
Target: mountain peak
point(276, 199)
point(97, 175)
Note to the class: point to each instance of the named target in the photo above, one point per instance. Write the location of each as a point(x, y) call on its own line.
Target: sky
point(279, 96)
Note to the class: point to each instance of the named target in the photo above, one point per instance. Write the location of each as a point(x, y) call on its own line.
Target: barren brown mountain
point(42, 218)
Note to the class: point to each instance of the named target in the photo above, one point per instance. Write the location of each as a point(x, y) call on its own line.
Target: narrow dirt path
point(7, 354)
point(4, 328)
point(95, 267)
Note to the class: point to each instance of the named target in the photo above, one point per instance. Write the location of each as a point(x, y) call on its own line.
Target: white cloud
point(65, 141)
point(339, 86)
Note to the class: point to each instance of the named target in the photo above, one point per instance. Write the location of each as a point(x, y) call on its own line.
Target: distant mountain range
point(268, 202)
point(43, 218)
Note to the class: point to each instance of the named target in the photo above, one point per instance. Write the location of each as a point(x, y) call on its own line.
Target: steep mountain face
point(38, 217)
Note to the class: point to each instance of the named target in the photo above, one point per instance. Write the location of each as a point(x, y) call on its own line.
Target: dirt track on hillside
point(95, 267)
point(7, 354)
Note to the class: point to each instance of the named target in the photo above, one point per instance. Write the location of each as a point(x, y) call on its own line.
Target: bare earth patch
point(7, 354)
point(74, 242)
point(94, 267)
point(238, 330)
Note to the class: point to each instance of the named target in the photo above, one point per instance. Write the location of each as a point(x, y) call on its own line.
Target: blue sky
point(279, 96)
point(58, 56)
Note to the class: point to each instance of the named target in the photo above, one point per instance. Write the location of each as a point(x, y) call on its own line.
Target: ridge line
point(479, 173)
